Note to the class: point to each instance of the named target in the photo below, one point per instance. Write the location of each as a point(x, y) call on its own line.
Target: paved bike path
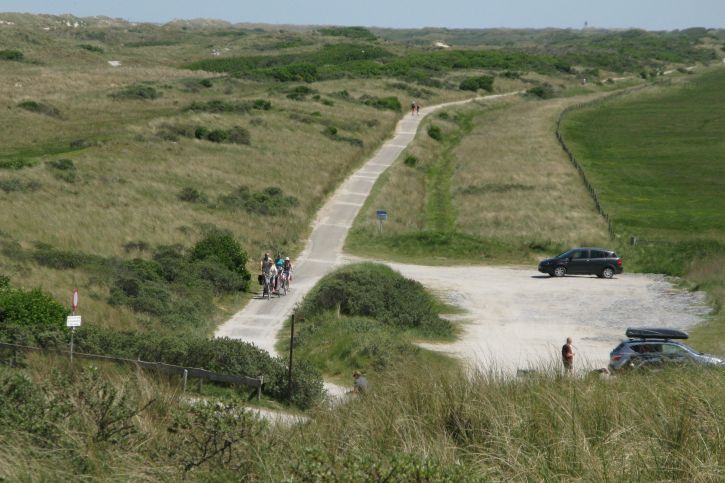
point(260, 320)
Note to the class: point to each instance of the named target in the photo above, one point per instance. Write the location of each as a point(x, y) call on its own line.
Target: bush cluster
point(270, 201)
point(218, 105)
point(331, 132)
point(64, 169)
point(435, 132)
point(390, 103)
point(191, 195)
point(29, 308)
point(410, 160)
point(377, 291)
point(91, 48)
point(175, 287)
point(235, 135)
point(9, 54)
point(360, 33)
point(544, 91)
point(17, 185)
point(40, 108)
point(484, 82)
point(138, 92)
point(16, 163)
point(227, 356)
point(300, 93)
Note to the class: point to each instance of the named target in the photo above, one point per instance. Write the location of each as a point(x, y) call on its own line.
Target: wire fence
point(185, 372)
point(574, 161)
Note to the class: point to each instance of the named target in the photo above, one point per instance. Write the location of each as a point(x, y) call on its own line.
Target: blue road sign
point(381, 215)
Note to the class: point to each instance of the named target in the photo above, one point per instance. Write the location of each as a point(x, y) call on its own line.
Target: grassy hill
point(657, 159)
point(111, 164)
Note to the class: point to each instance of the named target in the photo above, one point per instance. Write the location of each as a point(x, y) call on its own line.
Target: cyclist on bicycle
point(279, 264)
point(287, 268)
point(265, 266)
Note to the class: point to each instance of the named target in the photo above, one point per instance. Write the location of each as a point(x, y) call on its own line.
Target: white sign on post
point(73, 321)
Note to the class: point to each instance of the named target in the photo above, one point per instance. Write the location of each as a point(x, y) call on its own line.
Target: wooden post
point(291, 350)
point(259, 388)
point(72, 334)
point(186, 377)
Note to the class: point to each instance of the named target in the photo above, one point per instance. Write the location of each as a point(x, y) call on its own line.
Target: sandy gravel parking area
point(517, 318)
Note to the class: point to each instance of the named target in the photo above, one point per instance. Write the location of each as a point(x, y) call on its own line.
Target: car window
point(646, 348)
point(598, 254)
point(579, 254)
point(673, 349)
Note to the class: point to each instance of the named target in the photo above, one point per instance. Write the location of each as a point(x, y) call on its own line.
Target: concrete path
point(261, 320)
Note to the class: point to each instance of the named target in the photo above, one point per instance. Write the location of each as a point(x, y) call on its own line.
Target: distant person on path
point(567, 356)
point(417, 109)
point(360, 384)
point(413, 106)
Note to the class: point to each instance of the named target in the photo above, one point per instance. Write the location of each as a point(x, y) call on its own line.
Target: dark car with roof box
point(656, 347)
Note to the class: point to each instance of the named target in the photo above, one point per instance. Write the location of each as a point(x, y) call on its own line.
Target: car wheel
point(559, 271)
point(607, 273)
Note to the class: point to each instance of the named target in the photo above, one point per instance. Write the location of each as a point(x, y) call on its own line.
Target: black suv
point(583, 261)
point(653, 348)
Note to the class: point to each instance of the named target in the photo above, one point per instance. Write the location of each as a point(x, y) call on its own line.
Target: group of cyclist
point(278, 270)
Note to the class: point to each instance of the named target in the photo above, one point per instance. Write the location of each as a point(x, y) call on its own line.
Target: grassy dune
point(497, 188)
point(658, 161)
point(661, 426)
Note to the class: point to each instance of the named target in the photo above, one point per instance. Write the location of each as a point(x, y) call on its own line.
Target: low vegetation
point(366, 317)
point(40, 108)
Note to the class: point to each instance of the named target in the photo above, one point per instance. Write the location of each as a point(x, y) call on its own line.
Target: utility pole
point(291, 350)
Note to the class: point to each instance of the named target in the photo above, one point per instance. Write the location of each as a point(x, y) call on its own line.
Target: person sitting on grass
point(360, 384)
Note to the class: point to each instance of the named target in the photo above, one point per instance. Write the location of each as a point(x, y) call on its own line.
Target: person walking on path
point(413, 106)
point(567, 356)
point(417, 108)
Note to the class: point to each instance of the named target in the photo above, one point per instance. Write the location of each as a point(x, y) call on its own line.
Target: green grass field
point(657, 159)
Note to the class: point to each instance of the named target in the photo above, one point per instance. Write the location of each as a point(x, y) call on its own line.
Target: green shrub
point(360, 33)
point(206, 83)
point(222, 246)
point(11, 55)
point(544, 91)
point(410, 160)
point(390, 103)
point(62, 164)
point(374, 290)
point(64, 169)
point(201, 132)
point(30, 308)
point(16, 163)
point(49, 256)
point(271, 201)
point(435, 132)
point(191, 195)
point(300, 93)
point(262, 105)
point(91, 48)
point(218, 105)
point(484, 82)
point(443, 115)
point(10, 185)
point(217, 136)
point(137, 92)
point(239, 135)
point(40, 108)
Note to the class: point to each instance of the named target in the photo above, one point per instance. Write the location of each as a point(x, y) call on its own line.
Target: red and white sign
point(74, 302)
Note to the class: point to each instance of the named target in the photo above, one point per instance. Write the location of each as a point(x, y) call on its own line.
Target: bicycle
point(284, 283)
point(267, 290)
